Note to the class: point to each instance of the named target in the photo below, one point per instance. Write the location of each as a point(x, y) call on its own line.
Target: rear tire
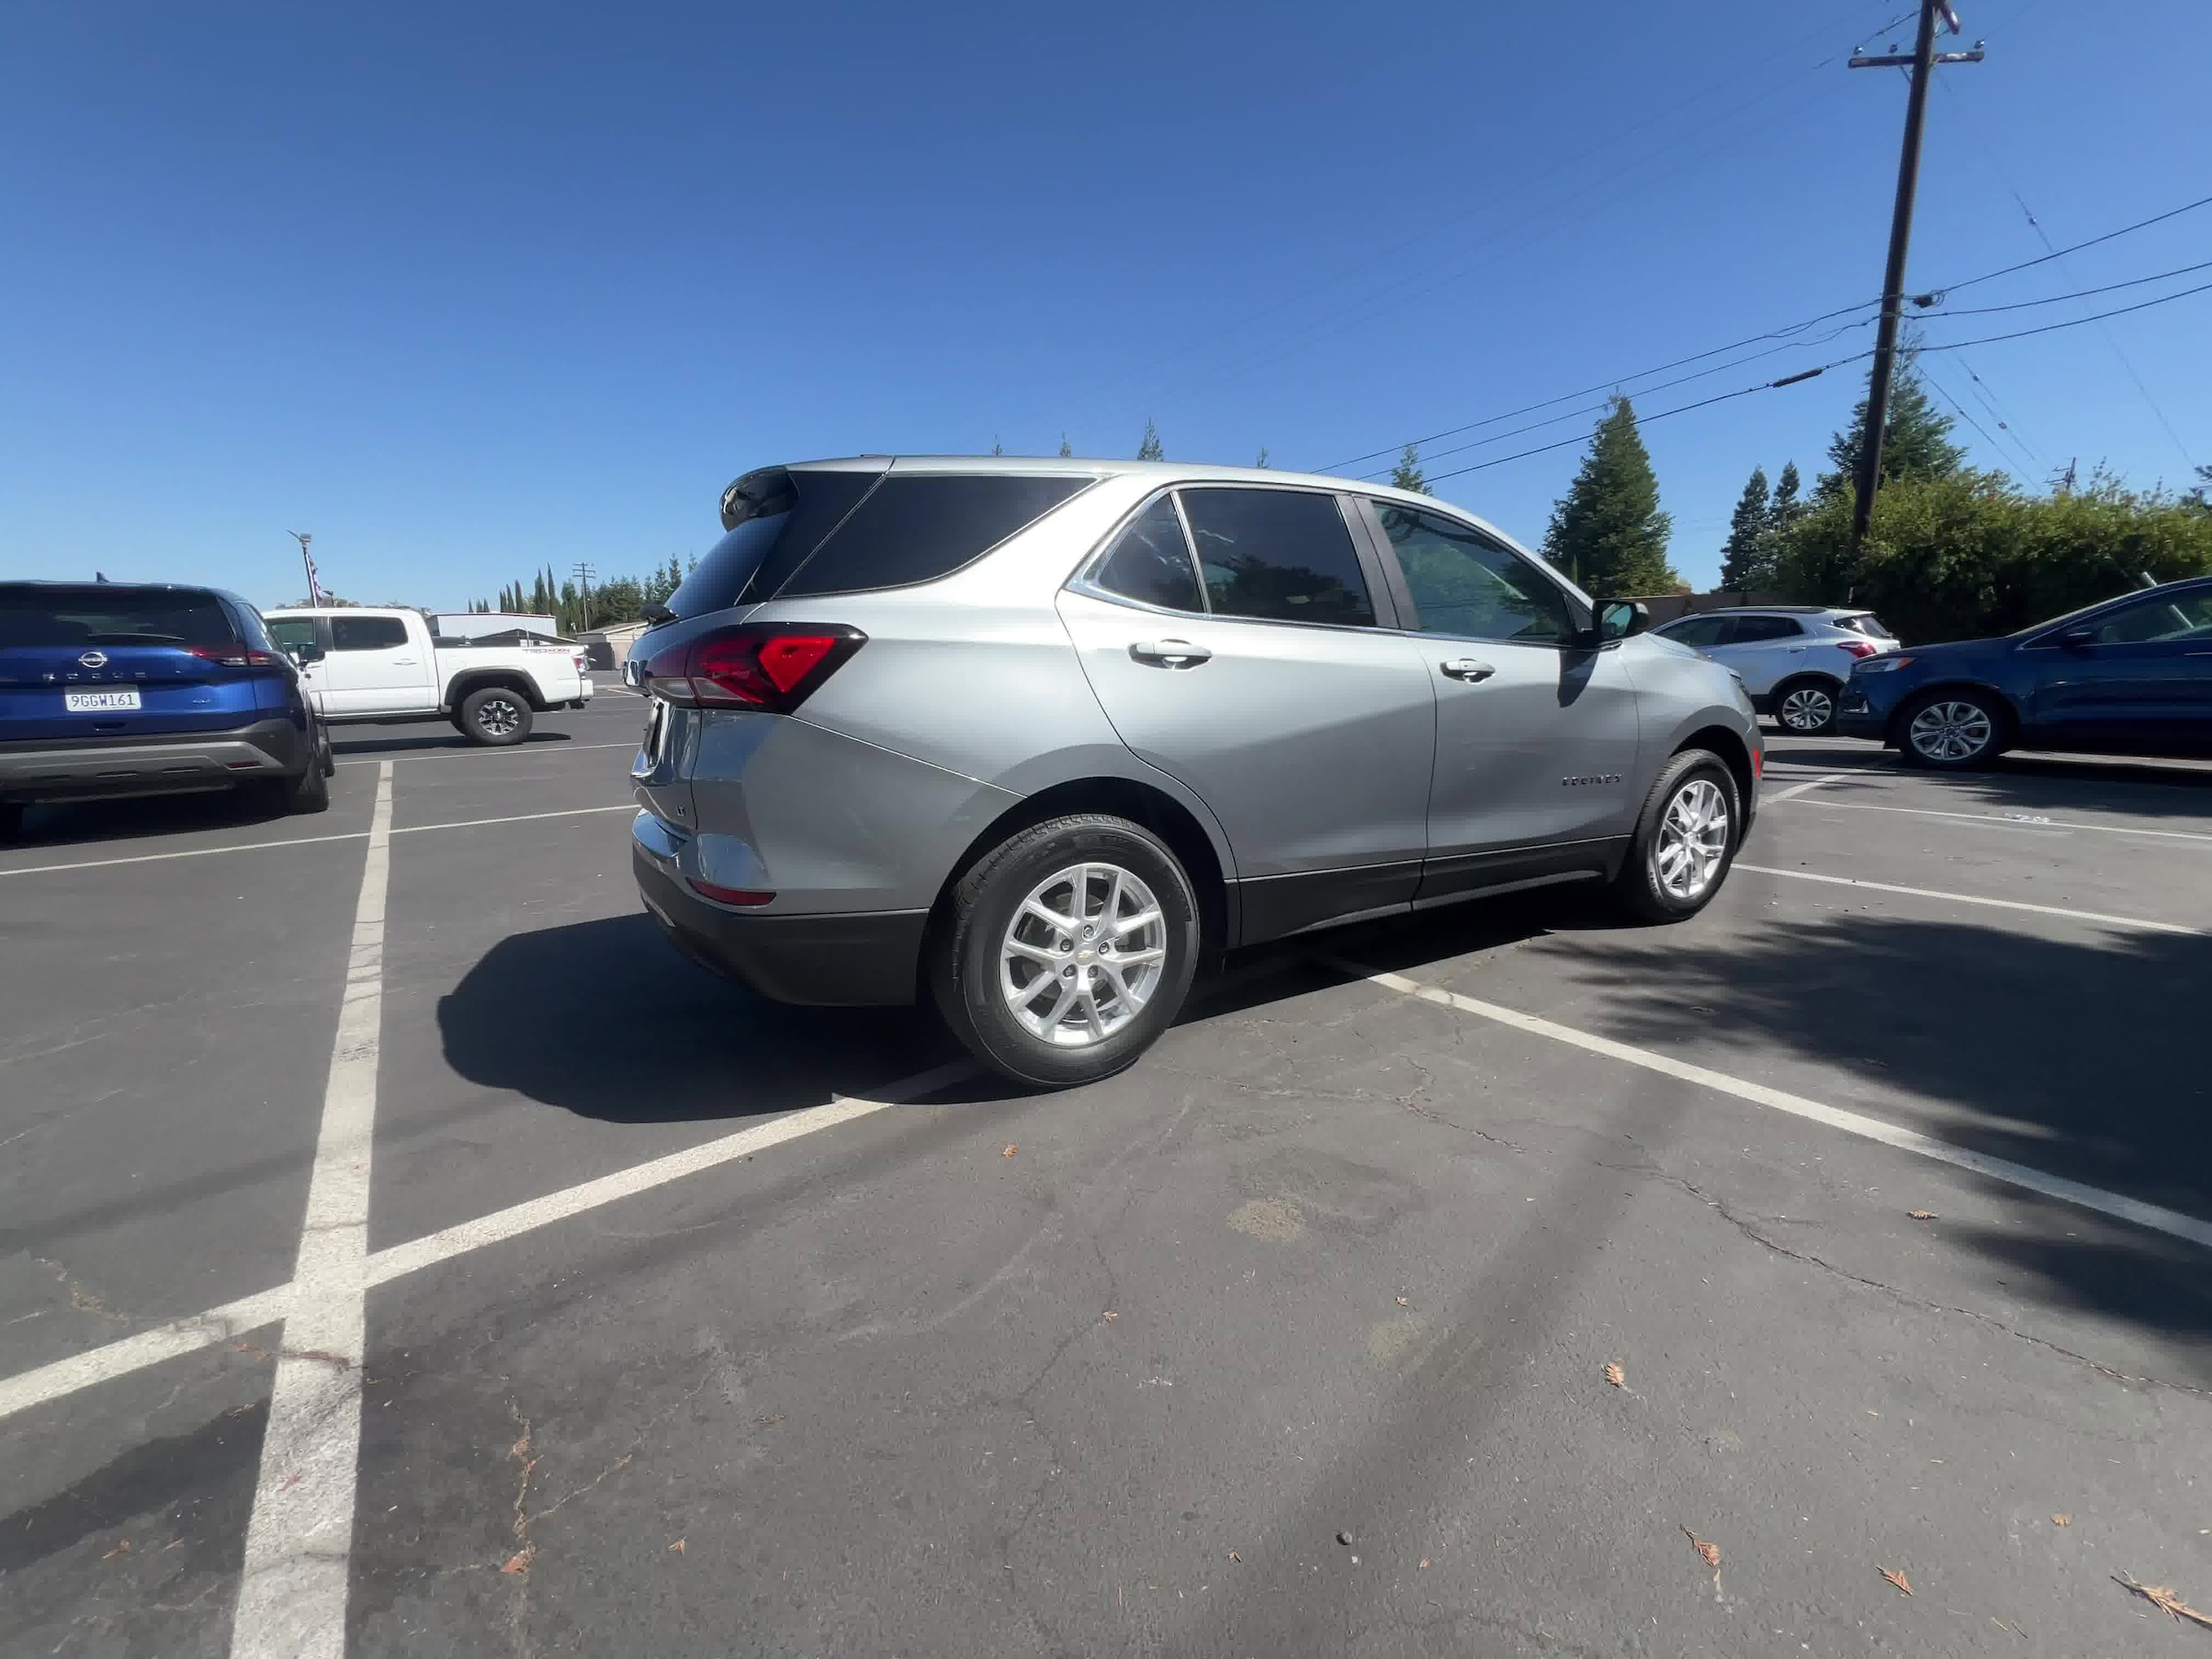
point(308, 793)
point(495, 716)
point(1680, 855)
point(1952, 731)
point(1806, 707)
point(1100, 994)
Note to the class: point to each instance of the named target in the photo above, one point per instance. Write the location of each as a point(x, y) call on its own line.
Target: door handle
point(1169, 653)
point(1467, 668)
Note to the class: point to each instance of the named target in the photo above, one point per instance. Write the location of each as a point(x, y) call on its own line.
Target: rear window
point(786, 515)
point(1869, 625)
point(110, 613)
point(920, 527)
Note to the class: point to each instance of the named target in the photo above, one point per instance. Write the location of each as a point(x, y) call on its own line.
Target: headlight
point(1879, 665)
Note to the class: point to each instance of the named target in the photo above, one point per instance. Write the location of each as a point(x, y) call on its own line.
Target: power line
point(2051, 328)
point(1987, 395)
point(2059, 253)
point(1960, 409)
point(2059, 299)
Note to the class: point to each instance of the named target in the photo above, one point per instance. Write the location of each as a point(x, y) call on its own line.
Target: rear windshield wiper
point(134, 638)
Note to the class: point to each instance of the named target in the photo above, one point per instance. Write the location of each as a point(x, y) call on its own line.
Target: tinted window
point(1752, 630)
point(787, 513)
point(1463, 583)
point(1280, 554)
point(2179, 617)
point(1698, 632)
point(366, 633)
point(290, 632)
point(1151, 562)
point(111, 613)
point(920, 527)
point(1869, 625)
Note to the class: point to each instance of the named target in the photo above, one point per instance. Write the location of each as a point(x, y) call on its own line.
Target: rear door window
point(366, 633)
point(1150, 562)
point(1758, 630)
point(1277, 556)
point(915, 528)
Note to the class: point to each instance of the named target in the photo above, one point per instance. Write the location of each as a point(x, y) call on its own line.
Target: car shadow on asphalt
point(433, 739)
point(2083, 1059)
point(88, 823)
point(2150, 789)
point(621, 1027)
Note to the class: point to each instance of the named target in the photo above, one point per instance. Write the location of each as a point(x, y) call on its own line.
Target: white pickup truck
point(361, 664)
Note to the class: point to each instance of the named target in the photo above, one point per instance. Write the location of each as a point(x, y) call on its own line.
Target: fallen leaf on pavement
point(1010, 1150)
point(2062, 1520)
point(520, 1562)
point(1234, 1557)
point(1897, 1578)
point(676, 1548)
point(1922, 1215)
point(1111, 1314)
point(1614, 1375)
point(1402, 1302)
point(1424, 1560)
point(1710, 1551)
point(2160, 1597)
point(122, 1547)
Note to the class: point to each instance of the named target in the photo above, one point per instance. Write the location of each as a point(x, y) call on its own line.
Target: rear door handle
point(1467, 668)
point(1169, 653)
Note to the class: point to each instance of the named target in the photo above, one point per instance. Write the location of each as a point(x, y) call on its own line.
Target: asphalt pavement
point(695, 1325)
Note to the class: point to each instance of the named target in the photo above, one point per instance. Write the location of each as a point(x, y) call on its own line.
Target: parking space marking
point(234, 1319)
point(299, 1541)
point(1968, 898)
point(2004, 821)
point(2157, 1218)
point(473, 751)
point(1792, 793)
point(310, 841)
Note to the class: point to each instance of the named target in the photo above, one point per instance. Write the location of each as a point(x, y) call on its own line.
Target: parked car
point(364, 664)
point(1793, 659)
point(134, 689)
point(2128, 676)
point(1028, 738)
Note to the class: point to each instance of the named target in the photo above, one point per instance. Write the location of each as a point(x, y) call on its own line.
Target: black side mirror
point(1617, 618)
point(302, 655)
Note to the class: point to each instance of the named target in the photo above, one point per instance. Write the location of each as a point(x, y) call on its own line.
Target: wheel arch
point(472, 680)
point(1729, 744)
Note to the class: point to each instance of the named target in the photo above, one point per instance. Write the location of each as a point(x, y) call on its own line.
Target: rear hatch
point(112, 661)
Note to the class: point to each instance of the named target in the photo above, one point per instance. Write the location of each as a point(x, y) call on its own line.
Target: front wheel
point(496, 715)
point(1952, 731)
point(1686, 839)
point(1067, 950)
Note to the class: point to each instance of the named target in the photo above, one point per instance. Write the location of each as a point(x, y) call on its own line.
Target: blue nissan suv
point(131, 689)
point(2128, 676)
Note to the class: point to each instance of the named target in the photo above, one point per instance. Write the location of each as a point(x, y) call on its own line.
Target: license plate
point(122, 698)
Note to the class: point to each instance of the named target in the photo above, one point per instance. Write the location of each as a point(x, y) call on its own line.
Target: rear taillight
point(233, 656)
point(581, 663)
point(773, 666)
point(746, 896)
point(1857, 647)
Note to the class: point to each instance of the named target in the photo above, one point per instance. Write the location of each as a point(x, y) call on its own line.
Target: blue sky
point(464, 291)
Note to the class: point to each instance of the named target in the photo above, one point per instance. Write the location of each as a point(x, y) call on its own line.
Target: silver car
point(1794, 660)
point(1031, 738)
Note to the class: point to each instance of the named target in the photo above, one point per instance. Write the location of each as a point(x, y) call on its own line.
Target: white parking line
point(1796, 790)
point(299, 1541)
point(1969, 898)
point(234, 1319)
point(2117, 1205)
point(2004, 820)
point(473, 751)
point(310, 841)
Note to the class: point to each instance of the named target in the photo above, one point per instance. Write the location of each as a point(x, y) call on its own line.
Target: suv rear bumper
point(70, 769)
point(828, 959)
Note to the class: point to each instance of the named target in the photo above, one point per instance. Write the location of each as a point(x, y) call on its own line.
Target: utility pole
point(314, 592)
point(1922, 63)
point(584, 574)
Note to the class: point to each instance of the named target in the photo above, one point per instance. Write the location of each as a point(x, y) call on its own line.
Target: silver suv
point(1793, 659)
point(1031, 738)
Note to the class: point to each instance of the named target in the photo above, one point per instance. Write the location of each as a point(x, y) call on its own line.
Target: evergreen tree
point(1407, 473)
point(1260, 461)
point(1785, 510)
point(1743, 556)
point(1915, 437)
point(1065, 449)
point(1150, 449)
point(1607, 531)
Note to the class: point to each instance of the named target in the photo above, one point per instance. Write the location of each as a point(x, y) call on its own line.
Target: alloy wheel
point(497, 717)
point(1083, 954)
point(1691, 845)
point(1807, 709)
point(1951, 729)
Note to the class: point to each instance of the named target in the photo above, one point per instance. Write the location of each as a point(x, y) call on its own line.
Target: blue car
point(129, 688)
point(2131, 676)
